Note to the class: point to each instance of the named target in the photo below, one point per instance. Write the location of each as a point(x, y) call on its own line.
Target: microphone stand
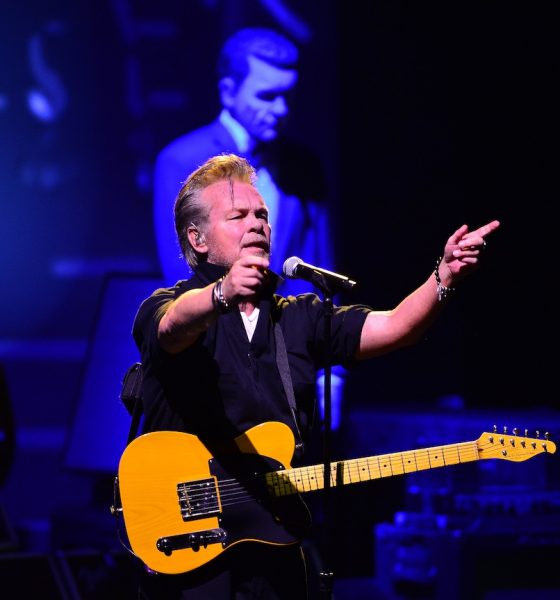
point(326, 575)
point(329, 283)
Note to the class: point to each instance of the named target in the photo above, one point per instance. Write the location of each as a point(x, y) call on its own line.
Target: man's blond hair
point(189, 209)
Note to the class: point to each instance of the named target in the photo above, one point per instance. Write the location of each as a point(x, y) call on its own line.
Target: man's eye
point(268, 96)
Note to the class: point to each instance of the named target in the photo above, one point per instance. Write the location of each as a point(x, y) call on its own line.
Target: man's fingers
point(258, 262)
point(487, 229)
point(457, 235)
point(474, 240)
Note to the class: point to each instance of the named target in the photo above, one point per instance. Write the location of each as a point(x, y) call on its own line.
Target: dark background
point(426, 116)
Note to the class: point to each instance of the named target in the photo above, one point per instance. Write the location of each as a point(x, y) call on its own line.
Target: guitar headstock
point(513, 447)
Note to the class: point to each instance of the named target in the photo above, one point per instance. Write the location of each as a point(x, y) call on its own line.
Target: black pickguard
point(249, 512)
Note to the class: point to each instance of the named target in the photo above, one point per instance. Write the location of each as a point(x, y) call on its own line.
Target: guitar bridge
point(198, 499)
point(194, 540)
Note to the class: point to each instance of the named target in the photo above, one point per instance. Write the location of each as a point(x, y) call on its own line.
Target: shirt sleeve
point(308, 321)
point(146, 322)
point(347, 324)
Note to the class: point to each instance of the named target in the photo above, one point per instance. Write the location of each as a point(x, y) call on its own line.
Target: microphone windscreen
point(290, 265)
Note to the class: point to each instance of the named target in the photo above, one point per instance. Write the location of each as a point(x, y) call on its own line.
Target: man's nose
point(280, 106)
point(255, 224)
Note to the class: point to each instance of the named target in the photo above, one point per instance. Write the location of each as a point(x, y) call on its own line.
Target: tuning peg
point(537, 434)
point(515, 430)
point(495, 428)
point(505, 429)
point(546, 435)
point(526, 433)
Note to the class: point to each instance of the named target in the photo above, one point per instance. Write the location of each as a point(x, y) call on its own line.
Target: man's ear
point(196, 239)
point(228, 89)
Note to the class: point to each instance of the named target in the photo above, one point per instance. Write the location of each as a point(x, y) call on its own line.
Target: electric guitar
point(184, 504)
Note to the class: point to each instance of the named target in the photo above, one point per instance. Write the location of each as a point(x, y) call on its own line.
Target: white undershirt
point(250, 322)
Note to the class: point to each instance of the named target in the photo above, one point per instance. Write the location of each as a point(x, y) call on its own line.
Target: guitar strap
point(131, 397)
point(284, 368)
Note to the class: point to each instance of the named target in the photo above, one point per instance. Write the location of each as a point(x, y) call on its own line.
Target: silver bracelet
point(218, 299)
point(442, 290)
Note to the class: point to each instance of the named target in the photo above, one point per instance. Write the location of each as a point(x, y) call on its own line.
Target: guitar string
point(353, 470)
point(233, 492)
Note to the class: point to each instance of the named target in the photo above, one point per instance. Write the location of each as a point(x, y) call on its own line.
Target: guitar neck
point(346, 472)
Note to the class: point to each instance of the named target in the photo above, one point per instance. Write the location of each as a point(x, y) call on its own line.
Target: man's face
point(237, 222)
point(261, 101)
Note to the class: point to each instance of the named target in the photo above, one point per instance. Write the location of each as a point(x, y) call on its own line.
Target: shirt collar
point(239, 134)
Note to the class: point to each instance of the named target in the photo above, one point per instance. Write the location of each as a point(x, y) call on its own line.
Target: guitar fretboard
point(308, 479)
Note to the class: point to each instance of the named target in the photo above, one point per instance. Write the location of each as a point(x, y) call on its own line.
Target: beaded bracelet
point(442, 290)
point(218, 299)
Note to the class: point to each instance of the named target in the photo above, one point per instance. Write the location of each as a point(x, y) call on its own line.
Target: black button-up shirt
point(224, 384)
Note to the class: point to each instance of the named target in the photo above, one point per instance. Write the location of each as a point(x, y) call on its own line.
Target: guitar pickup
point(198, 499)
point(194, 540)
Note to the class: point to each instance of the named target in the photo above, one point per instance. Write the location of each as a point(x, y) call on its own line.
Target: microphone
point(295, 268)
